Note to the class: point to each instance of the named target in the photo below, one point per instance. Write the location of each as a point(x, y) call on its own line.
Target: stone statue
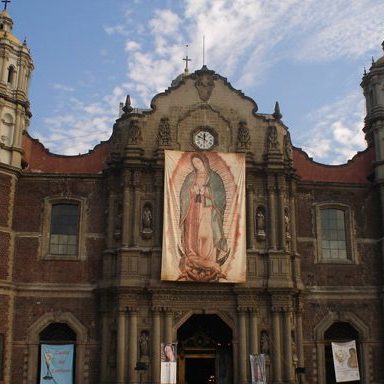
point(144, 344)
point(264, 342)
point(147, 219)
point(286, 222)
point(260, 222)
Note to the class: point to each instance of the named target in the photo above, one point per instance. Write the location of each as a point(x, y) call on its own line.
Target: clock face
point(204, 139)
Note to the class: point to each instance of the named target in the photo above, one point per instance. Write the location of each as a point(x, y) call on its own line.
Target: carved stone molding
point(281, 303)
point(243, 136)
point(134, 133)
point(164, 133)
point(205, 84)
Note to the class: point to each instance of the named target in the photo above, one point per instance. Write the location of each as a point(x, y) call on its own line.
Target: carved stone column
point(121, 349)
point(281, 206)
point(242, 347)
point(158, 209)
point(168, 325)
point(132, 359)
point(288, 366)
point(137, 179)
point(272, 212)
point(276, 351)
point(253, 332)
point(104, 346)
point(127, 209)
point(300, 338)
point(111, 215)
point(250, 217)
point(293, 217)
point(156, 340)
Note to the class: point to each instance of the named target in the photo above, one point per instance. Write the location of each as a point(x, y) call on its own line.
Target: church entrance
point(204, 351)
point(338, 332)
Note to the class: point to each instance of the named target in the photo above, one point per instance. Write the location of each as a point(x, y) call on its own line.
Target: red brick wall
point(29, 215)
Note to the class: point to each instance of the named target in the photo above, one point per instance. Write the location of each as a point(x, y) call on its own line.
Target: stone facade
point(109, 292)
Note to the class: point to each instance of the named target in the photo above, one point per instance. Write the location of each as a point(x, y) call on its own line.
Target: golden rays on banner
point(204, 217)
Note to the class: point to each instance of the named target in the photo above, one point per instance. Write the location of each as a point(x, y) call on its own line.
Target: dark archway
point(338, 332)
point(205, 351)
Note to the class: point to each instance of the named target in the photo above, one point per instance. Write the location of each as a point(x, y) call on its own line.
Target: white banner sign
point(345, 361)
point(257, 362)
point(168, 363)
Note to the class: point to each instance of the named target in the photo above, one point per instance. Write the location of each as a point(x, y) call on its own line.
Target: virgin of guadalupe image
point(203, 247)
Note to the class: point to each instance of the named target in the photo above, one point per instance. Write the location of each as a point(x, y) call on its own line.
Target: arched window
point(11, 74)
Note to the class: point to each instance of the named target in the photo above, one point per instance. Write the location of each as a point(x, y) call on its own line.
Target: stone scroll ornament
point(204, 85)
point(243, 136)
point(134, 132)
point(272, 138)
point(164, 133)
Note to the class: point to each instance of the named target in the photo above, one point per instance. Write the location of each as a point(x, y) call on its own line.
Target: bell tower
point(373, 87)
point(15, 72)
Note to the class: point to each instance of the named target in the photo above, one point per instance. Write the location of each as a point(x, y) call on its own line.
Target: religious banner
point(56, 364)
point(204, 217)
point(168, 369)
point(345, 361)
point(257, 362)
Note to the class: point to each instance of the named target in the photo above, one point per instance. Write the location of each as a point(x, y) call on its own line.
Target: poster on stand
point(345, 361)
point(168, 371)
point(56, 365)
point(257, 362)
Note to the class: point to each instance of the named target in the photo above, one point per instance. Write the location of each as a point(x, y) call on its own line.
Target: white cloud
point(118, 29)
point(333, 133)
point(62, 87)
point(165, 22)
point(131, 45)
point(244, 40)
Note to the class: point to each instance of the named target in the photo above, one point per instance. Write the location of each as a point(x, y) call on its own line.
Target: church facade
point(82, 240)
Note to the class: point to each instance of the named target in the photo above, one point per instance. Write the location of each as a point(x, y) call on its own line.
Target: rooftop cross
point(186, 59)
point(5, 4)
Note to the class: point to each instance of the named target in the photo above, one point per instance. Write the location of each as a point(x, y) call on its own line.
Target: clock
point(203, 139)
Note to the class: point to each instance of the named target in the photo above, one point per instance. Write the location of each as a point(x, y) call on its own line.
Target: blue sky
point(307, 54)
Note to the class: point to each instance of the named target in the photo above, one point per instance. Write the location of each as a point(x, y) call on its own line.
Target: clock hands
point(203, 137)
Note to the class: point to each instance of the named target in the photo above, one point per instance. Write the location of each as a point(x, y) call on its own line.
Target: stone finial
point(277, 114)
point(127, 106)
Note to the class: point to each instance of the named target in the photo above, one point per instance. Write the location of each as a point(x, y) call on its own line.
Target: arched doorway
point(205, 351)
point(338, 332)
point(56, 334)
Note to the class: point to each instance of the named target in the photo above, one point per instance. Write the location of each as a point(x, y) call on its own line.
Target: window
point(333, 239)
point(64, 230)
point(11, 74)
point(334, 234)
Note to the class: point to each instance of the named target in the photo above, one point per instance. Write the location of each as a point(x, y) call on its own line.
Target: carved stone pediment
point(205, 84)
